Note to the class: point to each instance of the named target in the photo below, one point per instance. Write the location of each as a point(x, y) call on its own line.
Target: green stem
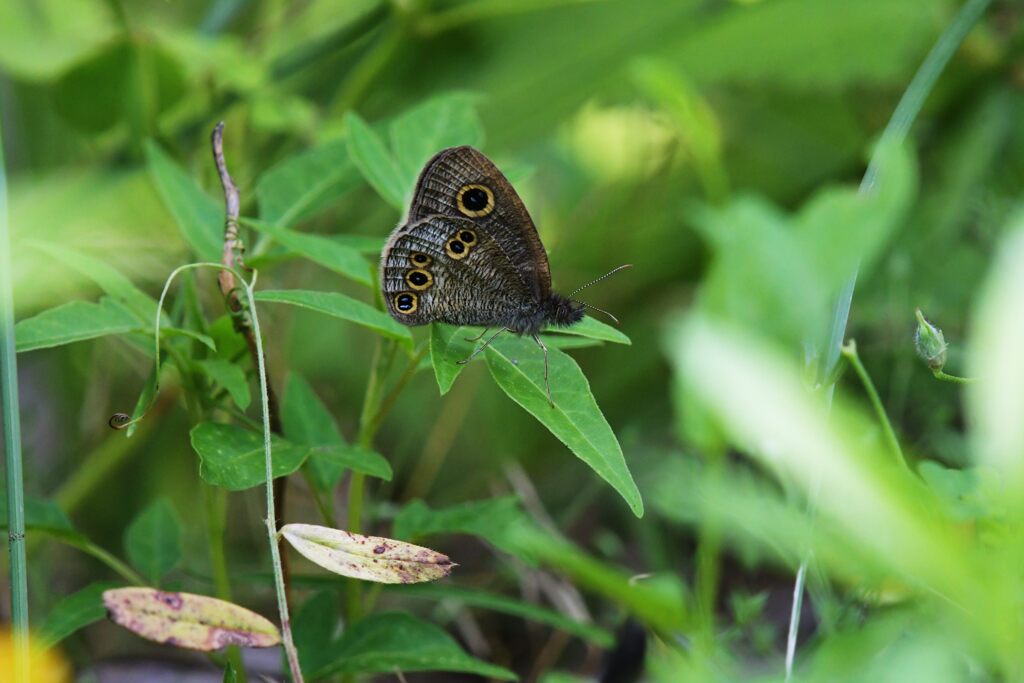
point(849, 352)
point(709, 546)
point(895, 131)
point(12, 443)
point(216, 501)
point(116, 565)
point(955, 379)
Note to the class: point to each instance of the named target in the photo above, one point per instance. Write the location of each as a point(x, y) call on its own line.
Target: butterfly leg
point(547, 384)
point(481, 347)
point(479, 336)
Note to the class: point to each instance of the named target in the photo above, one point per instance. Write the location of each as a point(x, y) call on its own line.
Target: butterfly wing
point(447, 269)
point(457, 175)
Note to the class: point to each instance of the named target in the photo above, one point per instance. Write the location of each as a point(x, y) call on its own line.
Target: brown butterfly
point(468, 253)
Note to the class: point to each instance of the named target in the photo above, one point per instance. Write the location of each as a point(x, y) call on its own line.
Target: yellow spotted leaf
point(195, 622)
point(370, 558)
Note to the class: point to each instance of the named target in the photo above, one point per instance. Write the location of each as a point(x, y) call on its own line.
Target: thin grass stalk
point(12, 442)
point(896, 131)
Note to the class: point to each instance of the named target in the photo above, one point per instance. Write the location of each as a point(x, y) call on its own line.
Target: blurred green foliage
point(714, 144)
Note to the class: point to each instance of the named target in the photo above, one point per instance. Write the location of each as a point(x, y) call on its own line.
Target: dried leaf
point(370, 558)
point(189, 621)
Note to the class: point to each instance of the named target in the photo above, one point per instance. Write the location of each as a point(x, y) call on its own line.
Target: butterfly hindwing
point(448, 184)
point(447, 269)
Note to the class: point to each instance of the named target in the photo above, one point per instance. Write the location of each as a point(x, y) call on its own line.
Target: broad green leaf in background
point(353, 457)
point(323, 250)
point(368, 558)
point(448, 346)
point(517, 366)
point(73, 322)
point(185, 620)
point(233, 457)
point(199, 217)
point(419, 133)
point(40, 514)
point(314, 626)
point(153, 540)
point(374, 161)
point(341, 306)
point(40, 41)
point(73, 612)
point(230, 377)
point(996, 400)
point(487, 519)
point(391, 641)
point(499, 603)
point(306, 420)
point(365, 244)
point(109, 279)
point(306, 183)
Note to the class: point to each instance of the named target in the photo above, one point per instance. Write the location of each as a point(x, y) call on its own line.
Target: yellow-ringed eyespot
point(456, 248)
point(475, 200)
point(420, 259)
point(467, 237)
point(406, 302)
point(419, 279)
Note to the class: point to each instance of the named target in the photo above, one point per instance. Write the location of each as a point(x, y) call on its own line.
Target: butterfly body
point(468, 253)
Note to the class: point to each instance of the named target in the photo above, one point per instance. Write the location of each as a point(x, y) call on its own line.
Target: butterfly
point(468, 253)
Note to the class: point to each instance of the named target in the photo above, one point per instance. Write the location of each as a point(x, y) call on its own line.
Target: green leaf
point(40, 514)
point(592, 329)
point(73, 612)
point(487, 519)
point(494, 602)
point(73, 322)
point(364, 244)
point(307, 421)
point(448, 346)
point(153, 540)
point(109, 279)
point(314, 627)
point(341, 306)
point(517, 366)
point(338, 457)
point(325, 251)
point(191, 334)
point(200, 219)
point(229, 376)
point(418, 134)
point(386, 642)
point(305, 183)
point(232, 457)
point(374, 162)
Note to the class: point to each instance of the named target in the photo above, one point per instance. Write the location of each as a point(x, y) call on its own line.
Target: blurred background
point(621, 122)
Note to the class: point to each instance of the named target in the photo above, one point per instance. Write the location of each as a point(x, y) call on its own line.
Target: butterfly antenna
point(600, 310)
point(606, 275)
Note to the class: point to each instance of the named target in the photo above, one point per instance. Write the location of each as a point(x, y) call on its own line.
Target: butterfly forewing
point(447, 184)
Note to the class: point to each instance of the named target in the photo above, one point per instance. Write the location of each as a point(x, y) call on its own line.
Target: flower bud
point(929, 342)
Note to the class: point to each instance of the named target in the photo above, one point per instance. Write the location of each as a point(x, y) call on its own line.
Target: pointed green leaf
point(364, 244)
point(195, 622)
point(232, 457)
point(307, 421)
point(448, 346)
point(388, 642)
point(341, 306)
point(73, 322)
point(375, 162)
point(191, 334)
point(342, 456)
point(304, 184)
point(153, 541)
point(517, 366)
point(199, 217)
point(325, 251)
point(369, 558)
point(592, 329)
point(74, 612)
point(229, 376)
point(418, 134)
point(40, 514)
point(485, 518)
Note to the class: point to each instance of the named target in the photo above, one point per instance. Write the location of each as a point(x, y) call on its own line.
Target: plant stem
point(12, 443)
point(88, 547)
point(955, 379)
point(895, 131)
point(849, 352)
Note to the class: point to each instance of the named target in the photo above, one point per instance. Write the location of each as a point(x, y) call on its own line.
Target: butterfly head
point(562, 311)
